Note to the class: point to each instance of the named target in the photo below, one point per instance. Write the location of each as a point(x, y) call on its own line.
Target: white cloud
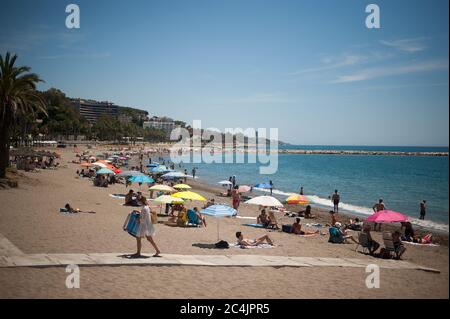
point(377, 72)
point(407, 45)
point(333, 63)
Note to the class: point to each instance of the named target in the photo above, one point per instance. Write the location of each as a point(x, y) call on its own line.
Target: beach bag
point(222, 244)
point(132, 224)
point(286, 228)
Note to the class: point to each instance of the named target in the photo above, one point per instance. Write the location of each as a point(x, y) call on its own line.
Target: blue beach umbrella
point(219, 211)
point(159, 169)
point(104, 171)
point(141, 179)
point(153, 165)
point(130, 173)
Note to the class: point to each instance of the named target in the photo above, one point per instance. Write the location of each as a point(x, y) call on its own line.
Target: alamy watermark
point(73, 279)
point(373, 279)
point(233, 145)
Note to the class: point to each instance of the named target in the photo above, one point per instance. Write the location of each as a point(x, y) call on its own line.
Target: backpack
point(222, 244)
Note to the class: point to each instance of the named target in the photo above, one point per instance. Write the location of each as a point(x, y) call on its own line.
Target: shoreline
point(32, 222)
point(323, 215)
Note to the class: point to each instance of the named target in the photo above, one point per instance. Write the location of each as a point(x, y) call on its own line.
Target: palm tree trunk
point(4, 149)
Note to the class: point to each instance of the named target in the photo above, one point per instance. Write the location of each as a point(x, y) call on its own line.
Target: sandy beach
point(30, 219)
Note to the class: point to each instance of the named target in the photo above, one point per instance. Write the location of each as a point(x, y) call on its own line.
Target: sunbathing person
point(130, 200)
point(338, 236)
point(355, 224)
point(306, 213)
point(297, 229)
point(262, 218)
point(200, 216)
point(71, 210)
point(253, 242)
point(272, 220)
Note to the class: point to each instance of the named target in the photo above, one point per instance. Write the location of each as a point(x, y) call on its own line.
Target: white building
point(162, 123)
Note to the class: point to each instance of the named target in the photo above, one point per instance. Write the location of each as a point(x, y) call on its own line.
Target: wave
point(358, 210)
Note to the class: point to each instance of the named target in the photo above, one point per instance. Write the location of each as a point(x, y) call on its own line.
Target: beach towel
point(419, 244)
point(245, 217)
point(121, 196)
point(236, 245)
point(254, 225)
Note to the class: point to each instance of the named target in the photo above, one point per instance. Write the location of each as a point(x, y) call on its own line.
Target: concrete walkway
point(117, 259)
point(11, 256)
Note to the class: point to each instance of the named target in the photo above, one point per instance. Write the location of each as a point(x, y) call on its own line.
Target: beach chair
point(389, 243)
point(335, 236)
point(192, 217)
point(363, 241)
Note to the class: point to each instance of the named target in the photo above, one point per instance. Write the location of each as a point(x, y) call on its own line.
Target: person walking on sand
point(423, 209)
point(147, 230)
point(336, 198)
point(376, 208)
point(236, 197)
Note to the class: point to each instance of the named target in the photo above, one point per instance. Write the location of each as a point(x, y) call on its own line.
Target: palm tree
point(18, 97)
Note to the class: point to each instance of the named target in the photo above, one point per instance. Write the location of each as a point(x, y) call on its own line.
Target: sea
point(401, 181)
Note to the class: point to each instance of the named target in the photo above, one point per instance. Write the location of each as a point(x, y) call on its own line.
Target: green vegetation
point(19, 103)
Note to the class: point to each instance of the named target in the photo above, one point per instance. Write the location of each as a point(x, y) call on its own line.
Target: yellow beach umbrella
point(297, 199)
point(189, 195)
point(161, 188)
point(182, 186)
point(167, 199)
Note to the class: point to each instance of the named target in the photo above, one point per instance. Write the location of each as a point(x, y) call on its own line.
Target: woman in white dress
point(147, 229)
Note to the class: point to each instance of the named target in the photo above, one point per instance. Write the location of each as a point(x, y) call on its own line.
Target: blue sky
point(310, 68)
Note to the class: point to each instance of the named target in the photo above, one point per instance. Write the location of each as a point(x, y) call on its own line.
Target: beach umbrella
point(153, 165)
point(244, 189)
point(161, 188)
point(387, 216)
point(297, 199)
point(175, 175)
point(159, 169)
point(117, 170)
point(104, 161)
point(268, 201)
point(87, 164)
point(167, 199)
point(182, 186)
point(141, 179)
point(225, 183)
point(104, 171)
point(100, 164)
point(189, 195)
point(219, 211)
point(130, 173)
point(263, 185)
point(122, 158)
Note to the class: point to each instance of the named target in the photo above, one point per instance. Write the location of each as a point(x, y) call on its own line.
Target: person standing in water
point(423, 209)
point(301, 190)
point(336, 198)
point(271, 187)
point(146, 229)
